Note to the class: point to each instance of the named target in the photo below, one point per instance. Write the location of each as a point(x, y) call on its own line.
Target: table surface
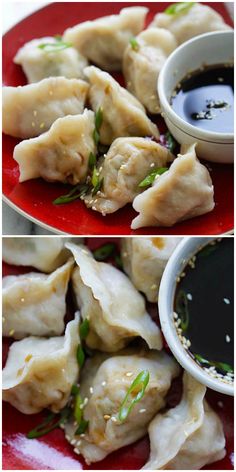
point(13, 12)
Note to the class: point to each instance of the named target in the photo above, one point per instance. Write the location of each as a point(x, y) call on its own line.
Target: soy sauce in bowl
point(203, 308)
point(205, 98)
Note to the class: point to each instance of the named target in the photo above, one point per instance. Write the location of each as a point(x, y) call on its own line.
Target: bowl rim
point(165, 105)
point(167, 285)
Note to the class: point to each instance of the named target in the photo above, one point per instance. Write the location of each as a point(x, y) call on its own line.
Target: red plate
point(34, 198)
point(54, 452)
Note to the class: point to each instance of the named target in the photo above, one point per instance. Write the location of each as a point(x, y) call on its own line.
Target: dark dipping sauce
point(205, 98)
point(204, 304)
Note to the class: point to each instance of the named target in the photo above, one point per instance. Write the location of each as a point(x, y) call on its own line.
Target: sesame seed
point(22, 299)
point(152, 164)
point(106, 417)
point(11, 332)
point(129, 374)
point(227, 301)
point(68, 437)
point(91, 390)
point(73, 442)
point(227, 338)
point(94, 208)
point(42, 125)
point(113, 418)
point(27, 358)
point(189, 296)
point(3, 319)
point(104, 383)
point(153, 287)
point(175, 315)
point(142, 410)
point(35, 112)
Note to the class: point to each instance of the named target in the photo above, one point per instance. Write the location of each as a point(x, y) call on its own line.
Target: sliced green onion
point(82, 427)
point(138, 386)
point(96, 137)
point(182, 309)
point(78, 411)
point(134, 44)
point(74, 390)
point(170, 141)
point(98, 118)
point(178, 8)
point(84, 329)
point(151, 177)
point(74, 194)
point(207, 250)
point(80, 355)
point(219, 365)
point(51, 422)
point(59, 45)
point(201, 359)
point(96, 182)
point(104, 252)
point(92, 160)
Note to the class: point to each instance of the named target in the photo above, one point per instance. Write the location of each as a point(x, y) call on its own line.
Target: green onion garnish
point(74, 194)
point(104, 252)
point(178, 8)
point(80, 355)
point(84, 329)
point(78, 411)
point(96, 137)
point(59, 45)
point(96, 182)
point(51, 422)
point(134, 44)
point(92, 160)
point(138, 386)
point(82, 427)
point(74, 390)
point(223, 366)
point(182, 309)
point(170, 141)
point(151, 177)
point(207, 250)
point(98, 124)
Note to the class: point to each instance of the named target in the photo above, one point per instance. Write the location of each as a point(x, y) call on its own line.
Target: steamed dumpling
point(127, 163)
point(198, 19)
point(104, 40)
point(184, 191)
point(53, 61)
point(109, 380)
point(61, 154)
point(123, 114)
point(45, 254)
point(188, 436)
point(115, 309)
point(40, 372)
point(30, 110)
point(144, 260)
point(34, 303)
point(142, 65)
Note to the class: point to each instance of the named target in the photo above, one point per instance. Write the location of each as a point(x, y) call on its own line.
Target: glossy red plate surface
point(54, 452)
point(34, 198)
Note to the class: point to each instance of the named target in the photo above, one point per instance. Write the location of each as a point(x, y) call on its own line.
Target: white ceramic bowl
point(210, 48)
point(184, 251)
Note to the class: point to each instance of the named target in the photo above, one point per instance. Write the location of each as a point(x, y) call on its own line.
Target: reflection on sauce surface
point(205, 99)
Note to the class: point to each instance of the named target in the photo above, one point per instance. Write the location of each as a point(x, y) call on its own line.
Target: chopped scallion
point(82, 427)
point(151, 177)
point(51, 422)
point(104, 252)
point(74, 194)
point(84, 329)
point(182, 309)
point(178, 8)
point(134, 44)
point(138, 386)
point(80, 355)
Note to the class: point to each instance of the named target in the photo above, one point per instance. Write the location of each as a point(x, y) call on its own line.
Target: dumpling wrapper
point(144, 261)
point(40, 372)
point(123, 114)
point(30, 110)
point(115, 309)
point(38, 63)
point(198, 19)
point(104, 40)
point(127, 163)
point(142, 65)
point(109, 380)
point(35, 304)
point(45, 254)
point(183, 192)
point(61, 154)
point(188, 436)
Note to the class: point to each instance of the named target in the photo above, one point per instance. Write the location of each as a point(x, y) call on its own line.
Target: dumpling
point(104, 40)
point(55, 59)
point(144, 260)
point(188, 436)
point(30, 110)
point(193, 20)
point(115, 309)
point(127, 163)
point(45, 254)
point(123, 114)
point(40, 372)
point(184, 191)
point(105, 383)
point(34, 303)
point(142, 63)
point(61, 154)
